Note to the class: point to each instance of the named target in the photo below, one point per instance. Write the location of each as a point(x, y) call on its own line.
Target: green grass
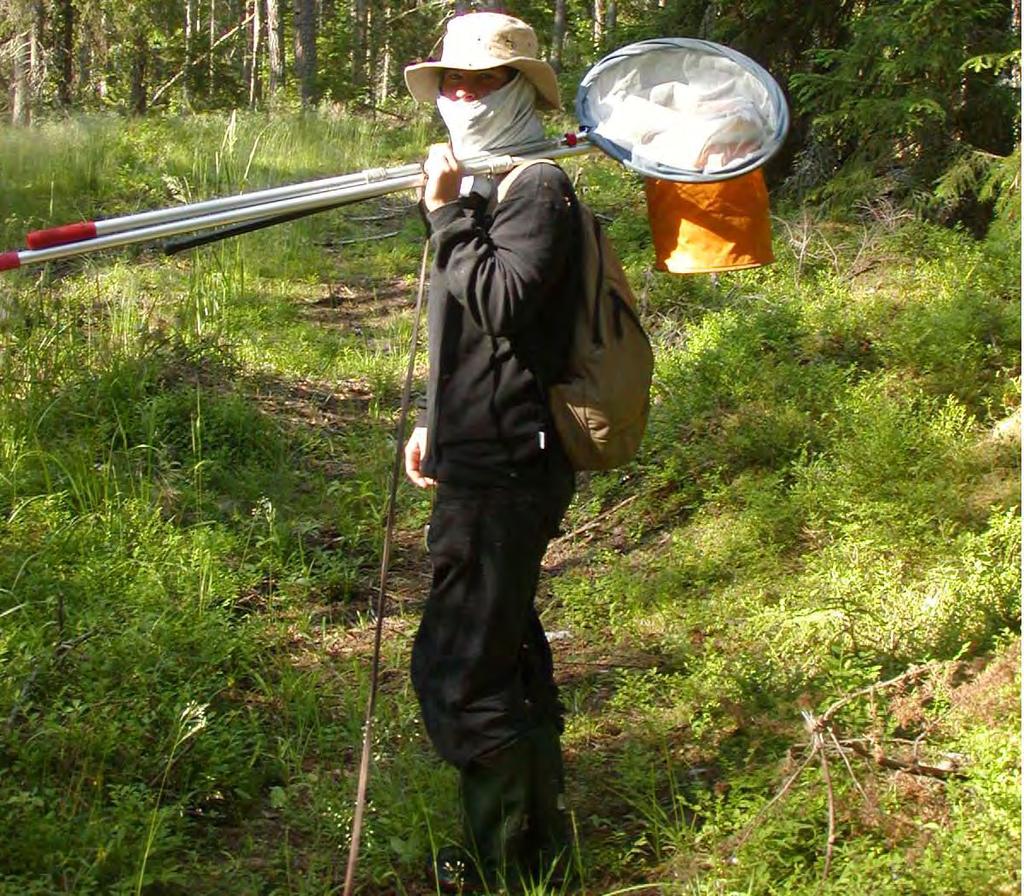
point(194, 456)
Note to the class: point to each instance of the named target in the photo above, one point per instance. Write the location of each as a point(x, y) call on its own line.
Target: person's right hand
point(415, 451)
point(442, 176)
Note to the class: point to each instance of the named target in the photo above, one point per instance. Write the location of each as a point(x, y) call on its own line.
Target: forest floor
point(976, 692)
point(787, 635)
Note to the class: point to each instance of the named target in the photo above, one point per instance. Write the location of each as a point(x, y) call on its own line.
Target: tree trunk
point(245, 40)
point(558, 36)
point(21, 109)
point(707, 22)
point(140, 56)
point(35, 55)
point(209, 58)
point(100, 46)
point(598, 29)
point(254, 56)
point(305, 50)
point(360, 12)
point(186, 67)
point(384, 54)
point(275, 58)
point(83, 65)
point(65, 28)
point(371, 54)
point(611, 14)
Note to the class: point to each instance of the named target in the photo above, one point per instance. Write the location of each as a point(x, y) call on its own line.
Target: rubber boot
point(495, 795)
point(548, 828)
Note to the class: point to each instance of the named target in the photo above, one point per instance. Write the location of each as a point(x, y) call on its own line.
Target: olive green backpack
point(600, 406)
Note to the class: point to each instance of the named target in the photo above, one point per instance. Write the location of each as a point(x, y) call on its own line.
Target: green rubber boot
point(495, 796)
point(548, 828)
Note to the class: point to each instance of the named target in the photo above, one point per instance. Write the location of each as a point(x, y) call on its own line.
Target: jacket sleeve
point(502, 273)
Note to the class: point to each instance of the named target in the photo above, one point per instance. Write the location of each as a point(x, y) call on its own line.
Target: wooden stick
point(597, 519)
point(913, 672)
point(846, 762)
point(362, 239)
point(749, 829)
point(830, 841)
point(913, 768)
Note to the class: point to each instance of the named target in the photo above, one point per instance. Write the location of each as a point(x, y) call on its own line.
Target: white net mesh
point(682, 105)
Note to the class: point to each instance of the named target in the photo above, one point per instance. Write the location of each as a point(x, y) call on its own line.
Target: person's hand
point(442, 176)
point(415, 451)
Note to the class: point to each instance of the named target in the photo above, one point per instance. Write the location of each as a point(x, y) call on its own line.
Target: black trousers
point(481, 664)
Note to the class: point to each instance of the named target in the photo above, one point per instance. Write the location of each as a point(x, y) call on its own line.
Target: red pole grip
point(9, 261)
point(58, 236)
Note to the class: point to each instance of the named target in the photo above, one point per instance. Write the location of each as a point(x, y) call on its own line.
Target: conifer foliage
point(917, 87)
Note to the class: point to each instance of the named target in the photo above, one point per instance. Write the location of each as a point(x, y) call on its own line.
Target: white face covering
point(505, 117)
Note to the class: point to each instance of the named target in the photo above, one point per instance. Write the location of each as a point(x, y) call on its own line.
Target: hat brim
point(423, 79)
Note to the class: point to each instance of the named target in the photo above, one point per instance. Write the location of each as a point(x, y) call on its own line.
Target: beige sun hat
point(480, 40)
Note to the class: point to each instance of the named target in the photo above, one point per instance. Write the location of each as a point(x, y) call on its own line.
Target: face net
point(682, 109)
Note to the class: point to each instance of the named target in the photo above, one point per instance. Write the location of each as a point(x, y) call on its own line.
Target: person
point(500, 311)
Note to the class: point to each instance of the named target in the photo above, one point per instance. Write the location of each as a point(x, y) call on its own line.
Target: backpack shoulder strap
point(506, 182)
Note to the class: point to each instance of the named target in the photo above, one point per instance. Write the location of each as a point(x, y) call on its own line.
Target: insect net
point(683, 109)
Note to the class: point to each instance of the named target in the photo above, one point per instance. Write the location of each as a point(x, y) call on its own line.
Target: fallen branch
point(912, 768)
point(914, 672)
point(846, 762)
point(376, 219)
point(26, 688)
point(595, 521)
point(61, 650)
point(750, 828)
point(159, 92)
point(830, 840)
point(330, 244)
point(607, 664)
point(822, 738)
point(374, 109)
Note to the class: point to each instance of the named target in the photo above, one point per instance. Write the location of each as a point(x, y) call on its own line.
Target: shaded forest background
point(915, 102)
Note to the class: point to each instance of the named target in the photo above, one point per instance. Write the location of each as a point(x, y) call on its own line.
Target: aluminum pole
point(321, 199)
point(87, 230)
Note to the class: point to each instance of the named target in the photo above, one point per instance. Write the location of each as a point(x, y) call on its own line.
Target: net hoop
point(683, 109)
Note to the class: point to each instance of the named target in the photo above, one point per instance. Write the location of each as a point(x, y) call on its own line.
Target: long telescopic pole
point(88, 230)
point(172, 228)
point(571, 144)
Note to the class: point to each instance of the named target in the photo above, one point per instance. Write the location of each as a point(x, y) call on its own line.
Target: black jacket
point(500, 313)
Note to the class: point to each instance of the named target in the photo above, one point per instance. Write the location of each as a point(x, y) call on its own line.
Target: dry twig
point(750, 828)
point(826, 774)
point(60, 650)
point(821, 727)
point(586, 527)
point(361, 239)
point(913, 767)
point(846, 762)
point(914, 672)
